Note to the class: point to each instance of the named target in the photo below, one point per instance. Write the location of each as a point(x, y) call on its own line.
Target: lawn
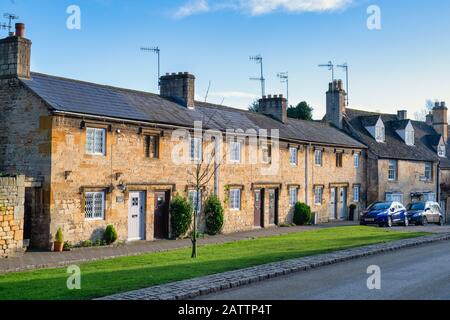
point(107, 277)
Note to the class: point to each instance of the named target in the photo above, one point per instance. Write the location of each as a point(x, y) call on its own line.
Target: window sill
point(94, 219)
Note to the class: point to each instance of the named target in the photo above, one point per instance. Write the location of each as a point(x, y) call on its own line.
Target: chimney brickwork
point(15, 55)
point(179, 87)
point(274, 106)
point(336, 103)
point(440, 120)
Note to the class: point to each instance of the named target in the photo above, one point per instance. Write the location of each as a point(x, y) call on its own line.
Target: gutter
point(168, 126)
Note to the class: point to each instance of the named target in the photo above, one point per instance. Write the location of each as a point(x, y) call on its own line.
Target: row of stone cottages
point(94, 155)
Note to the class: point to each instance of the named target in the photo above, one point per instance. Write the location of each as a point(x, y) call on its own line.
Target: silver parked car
point(424, 212)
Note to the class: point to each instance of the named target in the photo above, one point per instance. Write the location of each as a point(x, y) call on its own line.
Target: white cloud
point(260, 7)
point(192, 7)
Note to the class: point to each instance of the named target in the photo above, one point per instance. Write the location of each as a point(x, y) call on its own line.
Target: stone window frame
point(392, 170)
point(238, 205)
point(293, 156)
point(339, 159)
point(356, 191)
point(356, 160)
point(235, 151)
point(293, 190)
point(318, 157)
point(195, 148)
point(428, 171)
point(95, 129)
point(318, 194)
point(442, 151)
point(193, 192)
point(103, 206)
point(147, 144)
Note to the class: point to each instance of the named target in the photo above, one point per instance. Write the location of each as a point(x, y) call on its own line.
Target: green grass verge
point(107, 277)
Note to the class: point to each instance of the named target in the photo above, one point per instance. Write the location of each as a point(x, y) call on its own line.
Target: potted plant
point(58, 245)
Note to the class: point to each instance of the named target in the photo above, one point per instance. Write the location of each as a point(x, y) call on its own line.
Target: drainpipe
point(306, 174)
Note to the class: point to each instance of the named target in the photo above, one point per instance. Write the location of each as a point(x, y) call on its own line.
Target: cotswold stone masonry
point(12, 197)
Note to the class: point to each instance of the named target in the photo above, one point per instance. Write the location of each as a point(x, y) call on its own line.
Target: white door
point(333, 204)
point(136, 216)
point(343, 203)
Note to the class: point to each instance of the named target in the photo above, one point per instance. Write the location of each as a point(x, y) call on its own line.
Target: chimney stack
point(336, 103)
point(402, 115)
point(179, 87)
point(440, 120)
point(15, 55)
point(274, 106)
point(429, 119)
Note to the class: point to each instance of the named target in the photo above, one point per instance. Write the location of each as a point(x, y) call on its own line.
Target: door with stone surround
point(273, 206)
point(161, 216)
point(259, 209)
point(136, 216)
point(333, 203)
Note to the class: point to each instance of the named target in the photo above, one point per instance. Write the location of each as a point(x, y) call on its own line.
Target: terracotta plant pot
point(58, 246)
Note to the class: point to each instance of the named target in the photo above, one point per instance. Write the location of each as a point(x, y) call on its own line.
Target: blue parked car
point(385, 214)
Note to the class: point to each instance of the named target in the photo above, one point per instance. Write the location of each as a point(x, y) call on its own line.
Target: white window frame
point(356, 160)
point(442, 151)
point(293, 156)
point(394, 178)
point(380, 133)
point(409, 137)
point(101, 210)
point(428, 171)
point(318, 196)
point(90, 147)
point(293, 196)
point(235, 151)
point(356, 193)
point(235, 199)
point(394, 197)
point(196, 149)
point(192, 196)
point(318, 158)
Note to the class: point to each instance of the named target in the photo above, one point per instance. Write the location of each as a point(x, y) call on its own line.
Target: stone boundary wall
point(12, 199)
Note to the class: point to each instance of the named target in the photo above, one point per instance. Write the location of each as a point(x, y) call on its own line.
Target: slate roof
point(394, 146)
point(85, 98)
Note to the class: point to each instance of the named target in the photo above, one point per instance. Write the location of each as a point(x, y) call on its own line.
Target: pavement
point(419, 273)
point(45, 259)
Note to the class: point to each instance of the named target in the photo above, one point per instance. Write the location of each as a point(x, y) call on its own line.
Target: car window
point(416, 206)
point(380, 206)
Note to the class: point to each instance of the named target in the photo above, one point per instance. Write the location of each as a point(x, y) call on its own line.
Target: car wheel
point(389, 223)
point(424, 221)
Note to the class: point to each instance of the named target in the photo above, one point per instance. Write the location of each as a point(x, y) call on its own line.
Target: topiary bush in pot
point(302, 214)
point(180, 216)
point(214, 215)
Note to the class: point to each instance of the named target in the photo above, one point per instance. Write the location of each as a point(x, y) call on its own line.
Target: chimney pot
point(443, 104)
point(20, 30)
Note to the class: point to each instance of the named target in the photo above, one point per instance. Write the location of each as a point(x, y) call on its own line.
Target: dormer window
point(409, 136)
point(442, 151)
point(406, 132)
point(375, 127)
point(379, 133)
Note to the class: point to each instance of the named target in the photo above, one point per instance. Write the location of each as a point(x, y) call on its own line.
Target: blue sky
point(398, 67)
